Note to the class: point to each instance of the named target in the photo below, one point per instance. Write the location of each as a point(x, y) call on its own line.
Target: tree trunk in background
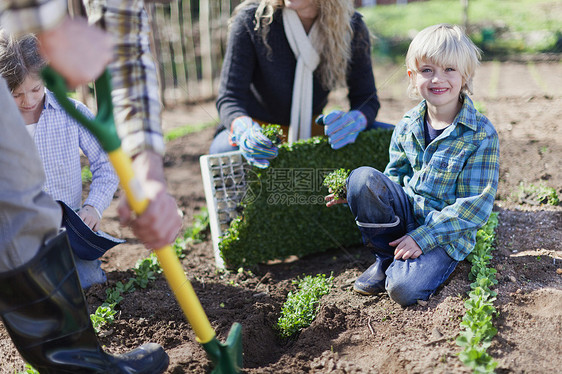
point(179, 62)
point(225, 12)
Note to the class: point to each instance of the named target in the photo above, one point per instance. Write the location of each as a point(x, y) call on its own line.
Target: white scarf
point(307, 61)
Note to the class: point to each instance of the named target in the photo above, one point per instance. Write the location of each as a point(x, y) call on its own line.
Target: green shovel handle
point(103, 126)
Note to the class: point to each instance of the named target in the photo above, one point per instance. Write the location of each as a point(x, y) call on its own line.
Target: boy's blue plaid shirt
point(452, 182)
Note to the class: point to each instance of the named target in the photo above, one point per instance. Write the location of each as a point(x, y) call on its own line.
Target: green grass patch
point(477, 328)
point(86, 174)
point(537, 194)
point(498, 27)
point(178, 132)
point(302, 305)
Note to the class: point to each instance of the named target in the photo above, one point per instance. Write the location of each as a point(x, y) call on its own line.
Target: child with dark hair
point(59, 139)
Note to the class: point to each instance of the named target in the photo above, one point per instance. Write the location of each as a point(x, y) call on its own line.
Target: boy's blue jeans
point(383, 213)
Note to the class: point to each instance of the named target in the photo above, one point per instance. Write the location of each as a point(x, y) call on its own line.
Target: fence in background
point(189, 40)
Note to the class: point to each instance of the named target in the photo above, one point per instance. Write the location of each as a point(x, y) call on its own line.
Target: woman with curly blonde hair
point(282, 60)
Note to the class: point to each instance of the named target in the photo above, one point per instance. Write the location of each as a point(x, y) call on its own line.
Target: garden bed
point(354, 333)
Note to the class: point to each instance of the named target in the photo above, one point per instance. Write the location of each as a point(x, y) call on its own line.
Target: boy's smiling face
point(439, 86)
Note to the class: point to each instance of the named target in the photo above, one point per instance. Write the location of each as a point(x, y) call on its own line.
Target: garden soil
point(354, 333)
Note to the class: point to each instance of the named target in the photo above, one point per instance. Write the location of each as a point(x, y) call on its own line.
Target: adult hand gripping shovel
point(227, 358)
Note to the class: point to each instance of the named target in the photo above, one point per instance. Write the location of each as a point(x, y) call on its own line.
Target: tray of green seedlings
point(257, 215)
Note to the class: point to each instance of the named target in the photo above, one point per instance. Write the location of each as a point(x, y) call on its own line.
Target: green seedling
point(146, 269)
point(127, 287)
point(113, 296)
point(104, 315)
point(301, 306)
point(336, 183)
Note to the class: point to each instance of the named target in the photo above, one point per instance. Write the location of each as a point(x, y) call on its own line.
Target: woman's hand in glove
point(342, 128)
point(255, 146)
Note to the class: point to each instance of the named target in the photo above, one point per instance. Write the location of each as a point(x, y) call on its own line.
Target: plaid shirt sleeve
point(136, 94)
point(25, 16)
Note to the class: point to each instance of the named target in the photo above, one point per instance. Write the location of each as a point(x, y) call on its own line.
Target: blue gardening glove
point(342, 128)
point(255, 146)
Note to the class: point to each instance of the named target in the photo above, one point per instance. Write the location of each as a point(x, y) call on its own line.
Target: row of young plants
point(145, 272)
point(477, 327)
point(302, 305)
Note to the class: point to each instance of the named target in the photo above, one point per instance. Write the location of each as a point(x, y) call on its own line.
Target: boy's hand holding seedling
point(336, 183)
point(406, 246)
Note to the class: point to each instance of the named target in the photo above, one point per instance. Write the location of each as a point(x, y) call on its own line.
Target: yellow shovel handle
point(180, 285)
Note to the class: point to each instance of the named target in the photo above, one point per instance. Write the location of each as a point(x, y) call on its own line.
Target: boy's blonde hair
point(446, 46)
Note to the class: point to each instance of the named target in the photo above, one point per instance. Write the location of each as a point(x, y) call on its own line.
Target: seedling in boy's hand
point(335, 181)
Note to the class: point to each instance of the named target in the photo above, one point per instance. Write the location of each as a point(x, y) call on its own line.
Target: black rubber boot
point(45, 313)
